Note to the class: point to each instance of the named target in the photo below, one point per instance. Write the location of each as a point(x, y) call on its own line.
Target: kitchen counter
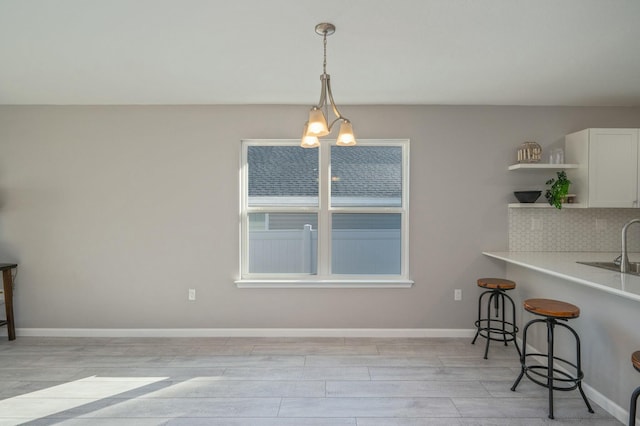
point(563, 265)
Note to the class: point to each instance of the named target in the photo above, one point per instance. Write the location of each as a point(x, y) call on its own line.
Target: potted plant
point(559, 189)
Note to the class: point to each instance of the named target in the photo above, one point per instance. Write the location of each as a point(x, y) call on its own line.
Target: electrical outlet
point(192, 294)
point(457, 294)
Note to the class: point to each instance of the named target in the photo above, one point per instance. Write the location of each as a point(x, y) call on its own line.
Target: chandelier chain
point(324, 63)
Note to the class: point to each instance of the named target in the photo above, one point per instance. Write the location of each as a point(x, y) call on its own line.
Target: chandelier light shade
point(309, 141)
point(345, 137)
point(318, 125)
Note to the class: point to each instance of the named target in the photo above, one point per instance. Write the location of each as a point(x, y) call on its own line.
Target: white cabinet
point(607, 173)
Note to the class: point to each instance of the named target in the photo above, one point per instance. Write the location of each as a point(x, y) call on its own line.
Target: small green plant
point(559, 189)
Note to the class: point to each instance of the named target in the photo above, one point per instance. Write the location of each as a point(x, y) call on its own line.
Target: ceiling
point(443, 52)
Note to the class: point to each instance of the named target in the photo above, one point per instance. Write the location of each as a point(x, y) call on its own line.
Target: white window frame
point(323, 278)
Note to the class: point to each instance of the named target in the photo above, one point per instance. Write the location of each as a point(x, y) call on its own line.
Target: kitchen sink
point(634, 267)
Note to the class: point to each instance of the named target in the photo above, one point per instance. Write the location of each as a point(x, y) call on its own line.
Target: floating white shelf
point(547, 166)
point(546, 206)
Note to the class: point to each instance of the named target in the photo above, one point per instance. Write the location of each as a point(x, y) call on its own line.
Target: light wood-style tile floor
point(273, 381)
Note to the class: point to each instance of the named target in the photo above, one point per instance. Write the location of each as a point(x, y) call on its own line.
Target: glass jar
point(556, 156)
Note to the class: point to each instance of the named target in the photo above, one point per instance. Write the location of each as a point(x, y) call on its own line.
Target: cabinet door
point(613, 168)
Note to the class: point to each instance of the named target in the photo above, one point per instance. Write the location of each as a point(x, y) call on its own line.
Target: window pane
point(368, 243)
point(282, 175)
point(366, 176)
point(284, 243)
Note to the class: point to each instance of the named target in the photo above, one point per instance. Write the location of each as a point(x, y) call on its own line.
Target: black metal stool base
point(503, 330)
point(632, 408)
point(634, 402)
point(547, 375)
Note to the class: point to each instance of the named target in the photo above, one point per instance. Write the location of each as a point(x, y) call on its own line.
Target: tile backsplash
point(550, 229)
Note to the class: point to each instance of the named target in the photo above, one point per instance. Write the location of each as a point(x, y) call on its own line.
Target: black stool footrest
point(506, 335)
point(567, 381)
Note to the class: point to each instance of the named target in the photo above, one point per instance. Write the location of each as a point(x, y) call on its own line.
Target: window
point(331, 216)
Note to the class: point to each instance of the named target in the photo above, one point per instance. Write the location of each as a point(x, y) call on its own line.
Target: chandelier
point(318, 126)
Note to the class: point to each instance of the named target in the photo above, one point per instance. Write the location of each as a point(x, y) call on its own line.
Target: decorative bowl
point(527, 196)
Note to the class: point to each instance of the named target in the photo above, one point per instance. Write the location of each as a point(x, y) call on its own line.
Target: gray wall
point(114, 212)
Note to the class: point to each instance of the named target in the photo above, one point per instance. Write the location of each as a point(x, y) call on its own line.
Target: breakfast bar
point(608, 324)
point(566, 265)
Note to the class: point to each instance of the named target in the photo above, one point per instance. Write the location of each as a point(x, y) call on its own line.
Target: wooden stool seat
point(551, 308)
point(496, 284)
point(635, 359)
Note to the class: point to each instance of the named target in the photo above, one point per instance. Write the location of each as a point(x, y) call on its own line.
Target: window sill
point(390, 283)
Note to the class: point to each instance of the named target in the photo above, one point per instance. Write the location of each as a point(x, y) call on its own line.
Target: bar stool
point(635, 360)
point(485, 326)
point(547, 375)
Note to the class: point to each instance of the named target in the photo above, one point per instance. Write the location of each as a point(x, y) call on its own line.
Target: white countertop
point(563, 265)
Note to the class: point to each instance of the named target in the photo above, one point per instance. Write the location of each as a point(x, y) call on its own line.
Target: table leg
point(7, 281)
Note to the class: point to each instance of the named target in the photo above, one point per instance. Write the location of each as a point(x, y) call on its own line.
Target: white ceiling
point(471, 52)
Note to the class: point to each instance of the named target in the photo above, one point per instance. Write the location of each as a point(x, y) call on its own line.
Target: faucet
point(624, 259)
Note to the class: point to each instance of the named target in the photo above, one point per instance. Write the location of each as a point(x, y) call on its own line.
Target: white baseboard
point(244, 332)
point(620, 413)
